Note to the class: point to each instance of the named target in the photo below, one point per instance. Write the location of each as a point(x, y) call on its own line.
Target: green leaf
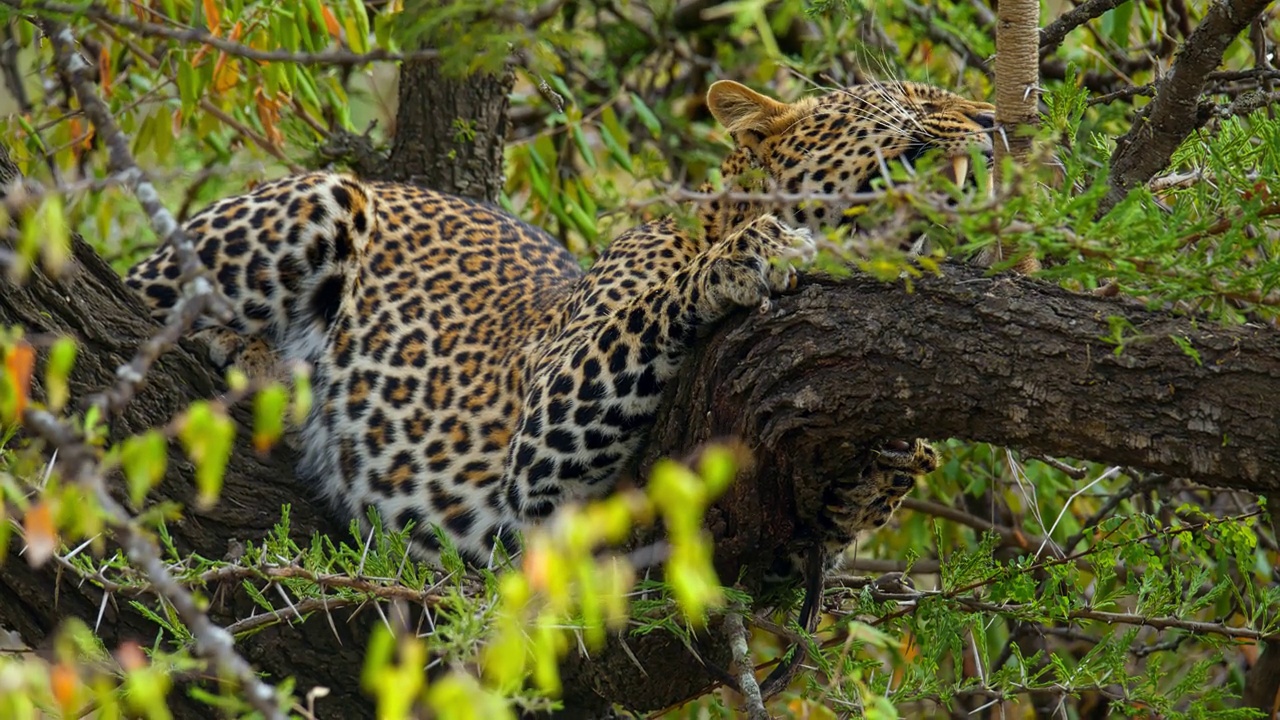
point(143, 459)
point(269, 408)
point(62, 356)
point(584, 147)
point(646, 116)
point(616, 150)
point(207, 435)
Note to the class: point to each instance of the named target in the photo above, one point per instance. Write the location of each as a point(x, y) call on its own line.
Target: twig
point(201, 36)
point(736, 632)
point(199, 294)
point(1074, 473)
point(1010, 536)
point(1052, 35)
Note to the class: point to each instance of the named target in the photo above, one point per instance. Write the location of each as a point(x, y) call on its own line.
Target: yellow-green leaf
point(143, 459)
point(62, 356)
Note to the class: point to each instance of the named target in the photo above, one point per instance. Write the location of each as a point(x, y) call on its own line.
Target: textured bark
point(808, 388)
point(842, 366)
point(450, 131)
point(1017, 76)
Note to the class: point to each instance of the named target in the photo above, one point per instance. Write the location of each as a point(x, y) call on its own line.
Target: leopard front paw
point(757, 262)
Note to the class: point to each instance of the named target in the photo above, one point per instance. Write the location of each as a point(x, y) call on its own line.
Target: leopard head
point(837, 144)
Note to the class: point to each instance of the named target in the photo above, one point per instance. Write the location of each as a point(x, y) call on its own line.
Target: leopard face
point(838, 143)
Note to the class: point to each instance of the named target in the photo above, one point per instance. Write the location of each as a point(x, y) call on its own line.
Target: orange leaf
point(130, 656)
point(104, 69)
point(18, 363)
point(65, 684)
point(536, 567)
point(268, 115)
point(199, 56)
point(225, 73)
point(331, 23)
point(212, 16)
point(41, 537)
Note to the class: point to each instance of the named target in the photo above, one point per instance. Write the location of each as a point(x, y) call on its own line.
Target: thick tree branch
point(810, 387)
point(840, 367)
point(1176, 111)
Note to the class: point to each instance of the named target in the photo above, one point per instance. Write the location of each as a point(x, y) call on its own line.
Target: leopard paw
point(755, 263)
point(867, 500)
point(915, 457)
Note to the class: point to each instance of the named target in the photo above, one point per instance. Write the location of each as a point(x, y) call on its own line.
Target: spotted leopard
point(469, 375)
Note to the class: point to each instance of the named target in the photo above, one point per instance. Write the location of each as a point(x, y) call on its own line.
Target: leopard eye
point(986, 120)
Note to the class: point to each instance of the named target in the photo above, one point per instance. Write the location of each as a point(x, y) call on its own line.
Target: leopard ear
point(740, 108)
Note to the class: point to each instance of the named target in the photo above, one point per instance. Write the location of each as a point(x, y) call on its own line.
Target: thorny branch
point(77, 459)
point(199, 294)
point(744, 672)
point(212, 641)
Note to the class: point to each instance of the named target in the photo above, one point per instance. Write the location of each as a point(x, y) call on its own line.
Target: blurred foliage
point(1078, 589)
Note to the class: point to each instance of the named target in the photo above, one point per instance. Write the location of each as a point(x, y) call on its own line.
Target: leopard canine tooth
point(960, 168)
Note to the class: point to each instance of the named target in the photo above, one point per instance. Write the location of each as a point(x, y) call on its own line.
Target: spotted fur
point(469, 375)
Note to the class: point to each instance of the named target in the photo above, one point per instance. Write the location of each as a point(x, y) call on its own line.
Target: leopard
point(471, 378)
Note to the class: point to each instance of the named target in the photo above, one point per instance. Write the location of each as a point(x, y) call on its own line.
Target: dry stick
point(1176, 111)
point(199, 294)
point(736, 632)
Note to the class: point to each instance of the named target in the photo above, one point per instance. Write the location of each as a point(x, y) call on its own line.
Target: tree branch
point(1052, 35)
point(1176, 111)
point(810, 387)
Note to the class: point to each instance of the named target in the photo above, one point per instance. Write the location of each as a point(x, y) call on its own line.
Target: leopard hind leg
point(283, 255)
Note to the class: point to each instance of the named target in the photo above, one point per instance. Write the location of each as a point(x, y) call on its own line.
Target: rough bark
point(836, 367)
point(842, 366)
point(1017, 76)
point(450, 131)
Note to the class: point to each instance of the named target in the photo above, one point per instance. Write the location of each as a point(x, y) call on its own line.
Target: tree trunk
point(1017, 78)
point(450, 131)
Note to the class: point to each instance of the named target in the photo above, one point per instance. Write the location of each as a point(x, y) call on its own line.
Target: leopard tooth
point(960, 168)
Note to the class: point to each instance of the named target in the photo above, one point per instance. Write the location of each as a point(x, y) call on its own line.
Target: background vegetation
point(1010, 585)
